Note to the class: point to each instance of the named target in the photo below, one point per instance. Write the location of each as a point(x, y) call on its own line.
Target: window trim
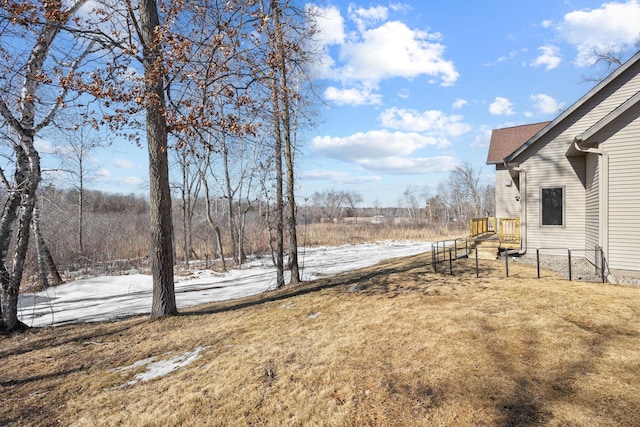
point(564, 206)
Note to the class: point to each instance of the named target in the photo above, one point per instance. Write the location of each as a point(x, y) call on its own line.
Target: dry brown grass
point(394, 344)
point(329, 234)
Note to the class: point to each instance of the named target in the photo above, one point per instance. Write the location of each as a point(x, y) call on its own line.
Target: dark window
point(552, 206)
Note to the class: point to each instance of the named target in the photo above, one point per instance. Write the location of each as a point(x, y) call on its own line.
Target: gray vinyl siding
point(592, 206)
point(550, 167)
point(506, 205)
point(624, 196)
point(547, 165)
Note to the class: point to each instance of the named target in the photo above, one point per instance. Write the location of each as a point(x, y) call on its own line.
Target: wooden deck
point(490, 235)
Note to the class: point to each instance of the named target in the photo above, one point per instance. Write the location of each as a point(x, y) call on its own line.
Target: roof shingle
point(507, 140)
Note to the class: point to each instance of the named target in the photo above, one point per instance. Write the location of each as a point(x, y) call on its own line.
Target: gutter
point(603, 214)
point(522, 176)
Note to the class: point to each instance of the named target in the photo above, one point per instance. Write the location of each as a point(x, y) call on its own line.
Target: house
point(574, 182)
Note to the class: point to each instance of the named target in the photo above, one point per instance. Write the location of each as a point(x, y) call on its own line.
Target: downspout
point(603, 226)
point(522, 177)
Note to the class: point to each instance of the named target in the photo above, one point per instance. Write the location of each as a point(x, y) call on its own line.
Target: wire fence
point(570, 264)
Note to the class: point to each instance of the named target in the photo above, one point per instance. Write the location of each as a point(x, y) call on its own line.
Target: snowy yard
point(111, 297)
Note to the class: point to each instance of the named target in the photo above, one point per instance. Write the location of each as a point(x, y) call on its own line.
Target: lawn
point(393, 344)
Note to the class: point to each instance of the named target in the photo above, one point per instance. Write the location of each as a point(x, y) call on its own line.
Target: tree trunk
point(233, 230)
point(9, 300)
point(164, 299)
point(210, 220)
point(279, 220)
point(46, 264)
point(40, 249)
point(285, 120)
point(81, 207)
point(21, 198)
point(186, 205)
point(27, 178)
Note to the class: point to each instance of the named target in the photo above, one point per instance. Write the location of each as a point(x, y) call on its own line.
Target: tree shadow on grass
point(533, 390)
point(39, 338)
point(375, 274)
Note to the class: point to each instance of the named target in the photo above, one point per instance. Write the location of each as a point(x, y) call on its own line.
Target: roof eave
point(574, 107)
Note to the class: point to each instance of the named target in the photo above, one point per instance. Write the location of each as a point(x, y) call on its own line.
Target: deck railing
point(508, 229)
point(480, 226)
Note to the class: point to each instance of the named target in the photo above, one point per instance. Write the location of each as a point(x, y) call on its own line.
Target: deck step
point(485, 253)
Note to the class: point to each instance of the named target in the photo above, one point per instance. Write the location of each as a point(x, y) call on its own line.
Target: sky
point(412, 89)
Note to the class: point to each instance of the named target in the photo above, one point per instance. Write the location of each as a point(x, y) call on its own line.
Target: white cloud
point(338, 177)
point(123, 164)
point(611, 26)
point(43, 146)
point(430, 121)
point(352, 96)
point(419, 165)
point(365, 18)
point(483, 139)
point(400, 7)
point(404, 93)
point(373, 48)
point(549, 58)
point(547, 24)
point(459, 103)
point(395, 50)
point(374, 144)
point(103, 173)
point(508, 57)
point(546, 104)
point(131, 181)
point(330, 30)
point(329, 24)
point(501, 107)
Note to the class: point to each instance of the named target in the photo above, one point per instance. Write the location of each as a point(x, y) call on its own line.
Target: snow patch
point(112, 297)
point(160, 368)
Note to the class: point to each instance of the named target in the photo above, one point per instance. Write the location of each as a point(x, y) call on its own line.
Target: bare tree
point(189, 188)
point(413, 200)
point(464, 181)
point(26, 106)
point(332, 204)
point(78, 163)
point(164, 299)
point(605, 60)
point(46, 264)
point(207, 198)
point(287, 31)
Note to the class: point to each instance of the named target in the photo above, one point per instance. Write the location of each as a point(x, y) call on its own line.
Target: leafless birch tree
point(28, 105)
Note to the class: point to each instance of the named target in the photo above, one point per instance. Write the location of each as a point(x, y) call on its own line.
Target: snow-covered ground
point(112, 297)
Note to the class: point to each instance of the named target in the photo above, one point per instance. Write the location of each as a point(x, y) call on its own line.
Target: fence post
point(477, 270)
point(569, 252)
point(538, 261)
point(450, 263)
point(455, 246)
point(433, 258)
point(602, 260)
point(506, 260)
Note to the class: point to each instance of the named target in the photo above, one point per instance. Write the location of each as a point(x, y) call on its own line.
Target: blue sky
point(413, 88)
